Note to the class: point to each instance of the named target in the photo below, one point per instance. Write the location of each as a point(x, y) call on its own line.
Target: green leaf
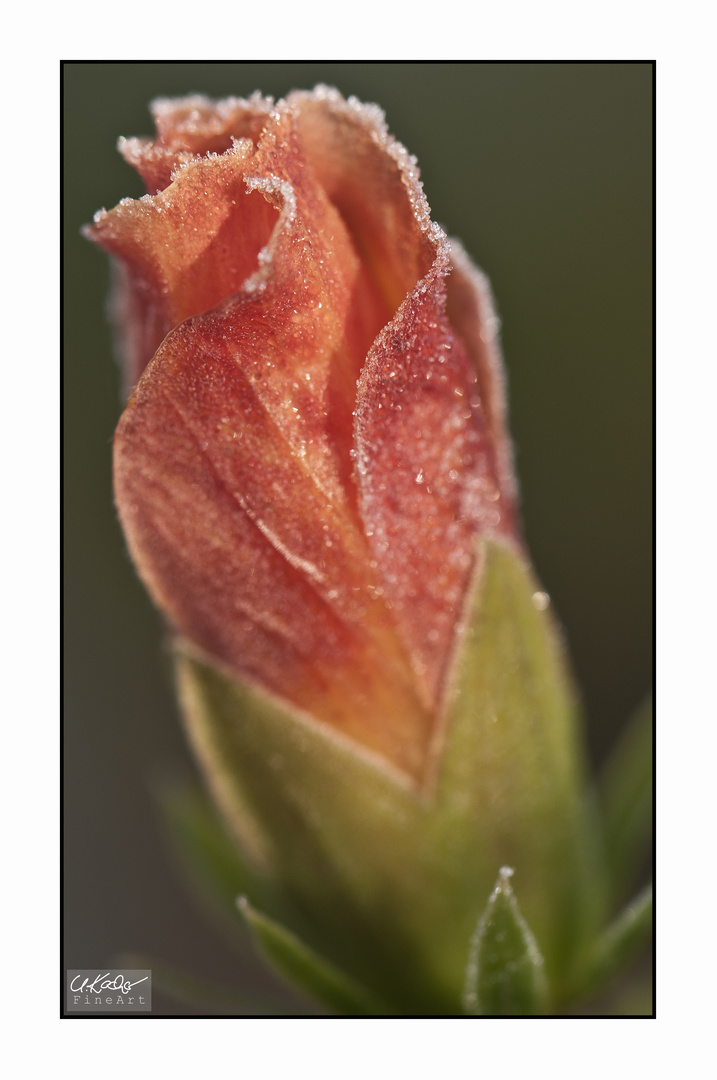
point(626, 792)
point(305, 969)
point(206, 854)
point(635, 999)
point(619, 944)
point(198, 994)
point(505, 975)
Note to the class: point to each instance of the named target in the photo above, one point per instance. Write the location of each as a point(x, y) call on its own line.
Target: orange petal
point(190, 128)
point(183, 250)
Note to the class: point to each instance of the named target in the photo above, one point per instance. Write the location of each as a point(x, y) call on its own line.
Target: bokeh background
point(544, 170)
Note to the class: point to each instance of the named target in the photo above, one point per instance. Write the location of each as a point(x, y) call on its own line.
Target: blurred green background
point(544, 170)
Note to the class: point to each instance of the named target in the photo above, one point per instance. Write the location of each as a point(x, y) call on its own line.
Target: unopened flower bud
point(315, 482)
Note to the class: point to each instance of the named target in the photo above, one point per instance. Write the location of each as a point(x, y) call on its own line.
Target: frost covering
point(314, 440)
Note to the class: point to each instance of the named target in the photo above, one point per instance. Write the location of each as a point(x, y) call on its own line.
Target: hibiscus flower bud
point(314, 442)
point(314, 478)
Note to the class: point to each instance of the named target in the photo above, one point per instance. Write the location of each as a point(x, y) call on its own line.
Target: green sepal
point(389, 877)
point(515, 758)
point(320, 821)
point(627, 803)
point(303, 968)
point(505, 975)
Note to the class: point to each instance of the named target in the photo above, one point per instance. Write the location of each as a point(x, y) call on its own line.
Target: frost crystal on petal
point(316, 433)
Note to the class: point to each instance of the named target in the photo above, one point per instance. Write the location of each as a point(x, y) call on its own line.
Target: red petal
point(472, 314)
point(426, 471)
point(185, 451)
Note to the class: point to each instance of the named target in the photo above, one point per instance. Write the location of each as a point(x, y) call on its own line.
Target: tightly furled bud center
point(315, 438)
